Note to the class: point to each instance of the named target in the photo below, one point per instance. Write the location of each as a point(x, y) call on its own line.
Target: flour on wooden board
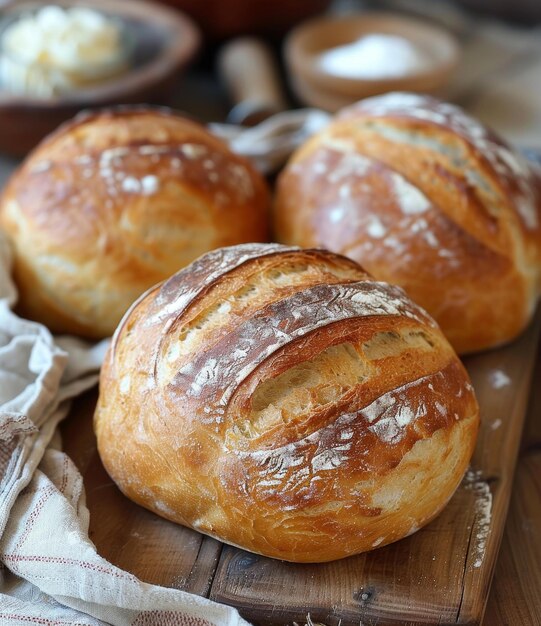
point(483, 514)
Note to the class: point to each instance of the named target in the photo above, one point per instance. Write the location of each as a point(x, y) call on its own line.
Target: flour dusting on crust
point(509, 164)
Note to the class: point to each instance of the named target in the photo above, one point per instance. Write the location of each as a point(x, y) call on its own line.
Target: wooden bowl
point(164, 42)
point(219, 19)
point(316, 87)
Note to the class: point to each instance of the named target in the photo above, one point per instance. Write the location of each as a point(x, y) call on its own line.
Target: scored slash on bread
point(284, 401)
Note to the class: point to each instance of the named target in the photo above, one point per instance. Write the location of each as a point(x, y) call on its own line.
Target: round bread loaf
point(116, 201)
point(425, 197)
point(283, 401)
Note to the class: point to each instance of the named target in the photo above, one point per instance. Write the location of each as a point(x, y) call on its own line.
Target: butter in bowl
point(55, 50)
point(56, 59)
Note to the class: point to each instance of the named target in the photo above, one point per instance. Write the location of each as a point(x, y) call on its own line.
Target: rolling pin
point(250, 73)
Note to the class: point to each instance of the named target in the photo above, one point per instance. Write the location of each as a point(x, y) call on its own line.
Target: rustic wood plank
point(154, 549)
point(515, 597)
point(503, 411)
point(430, 577)
point(442, 574)
point(531, 437)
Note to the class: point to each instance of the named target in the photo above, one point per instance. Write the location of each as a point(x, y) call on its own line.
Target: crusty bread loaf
point(425, 197)
point(283, 401)
point(116, 201)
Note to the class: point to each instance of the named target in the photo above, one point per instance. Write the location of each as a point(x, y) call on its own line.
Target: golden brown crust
point(284, 401)
point(116, 201)
point(425, 197)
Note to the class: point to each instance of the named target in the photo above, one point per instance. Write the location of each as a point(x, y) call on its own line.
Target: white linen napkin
point(51, 572)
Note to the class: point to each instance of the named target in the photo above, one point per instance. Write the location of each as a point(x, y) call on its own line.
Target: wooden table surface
point(515, 595)
point(440, 575)
point(515, 598)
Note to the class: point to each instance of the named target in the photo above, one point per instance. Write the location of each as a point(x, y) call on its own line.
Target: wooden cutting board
point(440, 575)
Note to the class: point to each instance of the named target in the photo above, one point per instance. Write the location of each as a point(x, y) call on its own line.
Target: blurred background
point(57, 58)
